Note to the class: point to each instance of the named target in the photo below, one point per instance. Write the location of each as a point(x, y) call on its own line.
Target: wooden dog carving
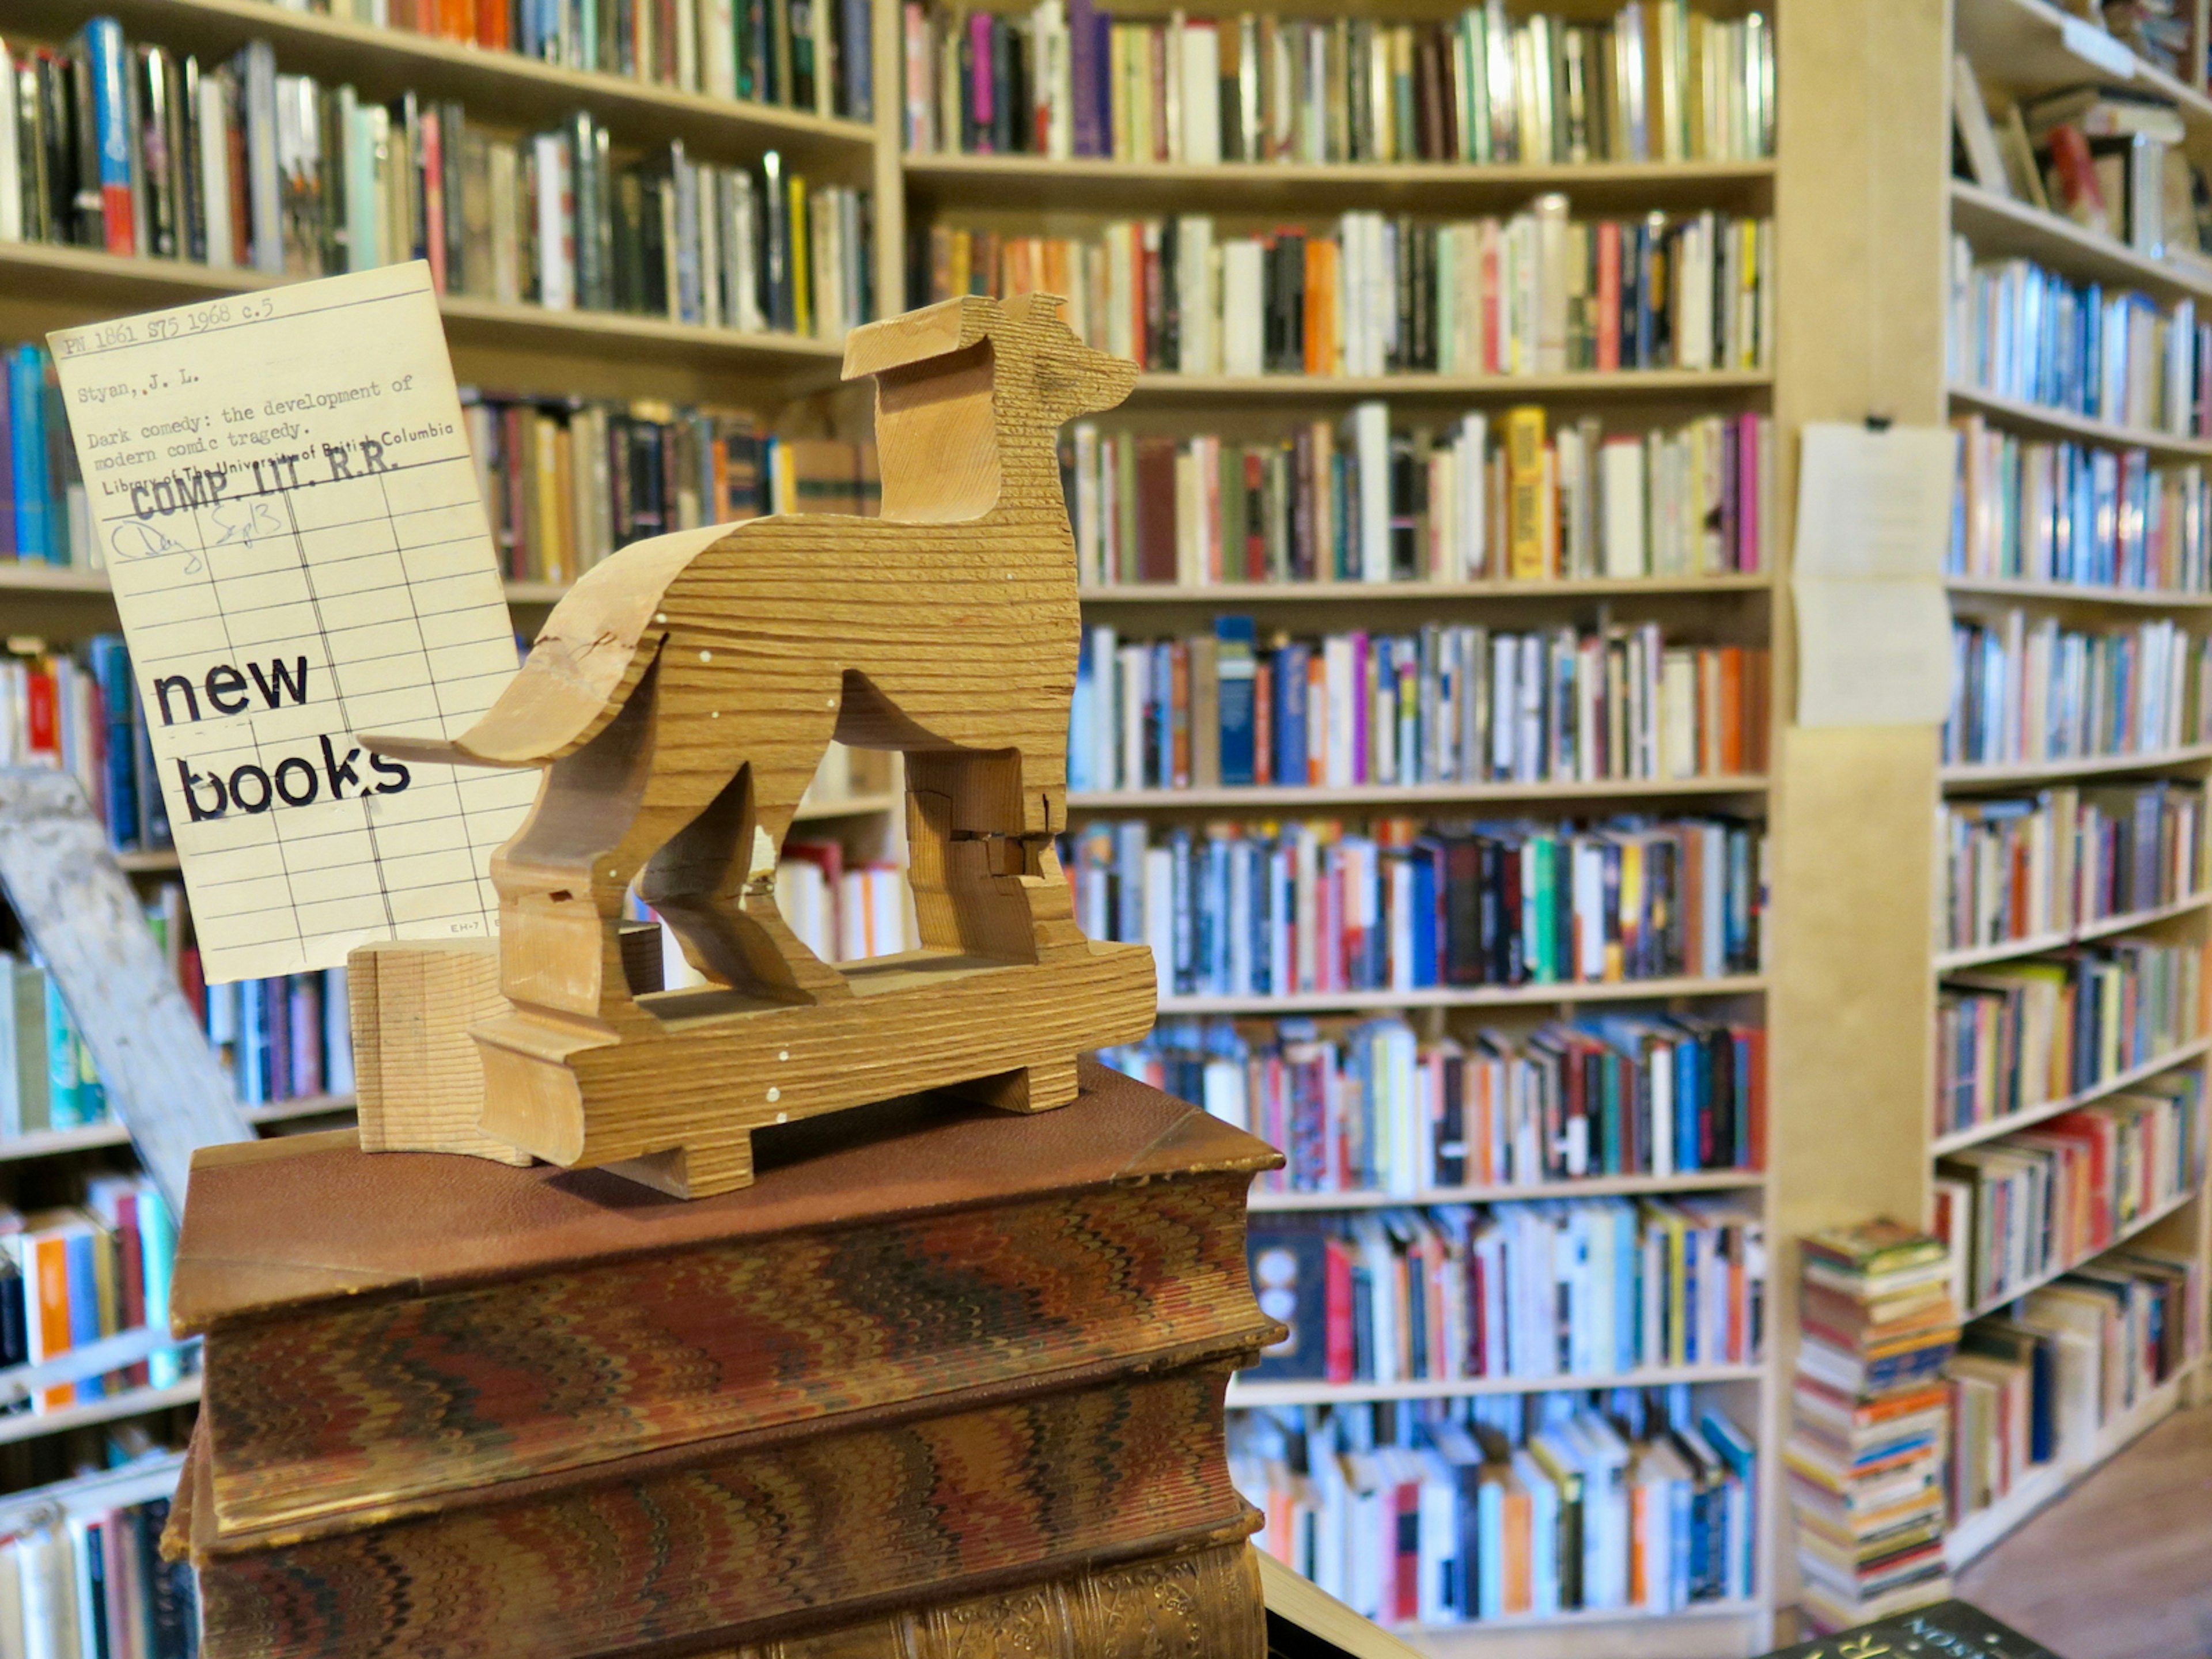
point(679, 699)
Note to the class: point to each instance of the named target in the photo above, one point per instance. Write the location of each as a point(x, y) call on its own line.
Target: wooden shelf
point(499, 87)
point(1695, 1181)
point(1582, 385)
point(1949, 962)
point(1974, 1134)
point(134, 1402)
point(2062, 424)
point(2091, 766)
point(1246, 1393)
point(1997, 224)
point(1091, 184)
point(1321, 797)
point(148, 864)
point(2007, 587)
point(850, 806)
point(1567, 587)
point(52, 1143)
point(1473, 996)
point(103, 284)
point(1978, 1532)
point(2030, 46)
point(2141, 1224)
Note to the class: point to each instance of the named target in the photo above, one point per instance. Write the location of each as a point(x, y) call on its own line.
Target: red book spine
point(1337, 1344)
point(41, 717)
point(1608, 293)
point(1407, 1587)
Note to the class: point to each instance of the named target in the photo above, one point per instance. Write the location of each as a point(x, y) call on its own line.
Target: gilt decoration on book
point(680, 698)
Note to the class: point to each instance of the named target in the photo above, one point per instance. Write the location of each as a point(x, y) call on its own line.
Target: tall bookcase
point(1863, 957)
point(2018, 49)
point(521, 349)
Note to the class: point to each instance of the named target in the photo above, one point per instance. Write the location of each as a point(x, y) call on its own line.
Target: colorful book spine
point(1493, 1509)
point(1451, 704)
point(2026, 690)
point(1370, 294)
point(1375, 1111)
point(1321, 908)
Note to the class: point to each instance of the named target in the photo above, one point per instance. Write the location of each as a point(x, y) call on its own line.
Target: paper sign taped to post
point(281, 489)
point(1874, 631)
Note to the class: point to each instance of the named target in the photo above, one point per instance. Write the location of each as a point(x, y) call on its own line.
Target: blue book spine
point(860, 89)
point(1234, 667)
point(84, 1306)
point(8, 547)
point(28, 433)
point(111, 671)
point(110, 109)
point(62, 1094)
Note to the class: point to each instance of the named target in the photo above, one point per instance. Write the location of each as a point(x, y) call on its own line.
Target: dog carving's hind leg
point(714, 882)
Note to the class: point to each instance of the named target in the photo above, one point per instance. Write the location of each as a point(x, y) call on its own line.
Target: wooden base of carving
point(418, 1074)
point(635, 1097)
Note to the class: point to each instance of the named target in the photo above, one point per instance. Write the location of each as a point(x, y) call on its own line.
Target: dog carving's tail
point(592, 652)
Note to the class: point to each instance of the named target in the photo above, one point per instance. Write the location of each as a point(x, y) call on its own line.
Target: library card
point(282, 490)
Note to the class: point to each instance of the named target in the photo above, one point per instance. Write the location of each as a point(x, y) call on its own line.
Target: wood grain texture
point(680, 698)
point(418, 1078)
point(78, 907)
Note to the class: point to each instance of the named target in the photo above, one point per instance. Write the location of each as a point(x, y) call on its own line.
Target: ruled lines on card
point(281, 487)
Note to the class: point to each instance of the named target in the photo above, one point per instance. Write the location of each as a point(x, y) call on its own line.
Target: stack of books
point(940, 1369)
point(1866, 1456)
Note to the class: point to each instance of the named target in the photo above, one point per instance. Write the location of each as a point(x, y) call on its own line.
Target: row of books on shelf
point(1495, 1508)
point(1451, 704)
point(44, 516)
point(1259, 910)
point(2018, 331)
point(808, 55)
point(1478, 499)
point(2108, 159)
point(2027, 510)
point(2017, 1210)
point(2027, 868)
point(2015, 1037)
point(1865, 1452)
point(48, 1079)
point(72, 1275)
point(1656, 82)
point(2064, 1365)
point(569, 482)
point(2034, 689)
point(141, 151)
point(82, 1576)
point(1588, 1287)
point(1373, 1109)
point(1540, 293)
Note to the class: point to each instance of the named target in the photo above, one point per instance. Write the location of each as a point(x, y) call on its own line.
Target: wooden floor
point(2120, 1567)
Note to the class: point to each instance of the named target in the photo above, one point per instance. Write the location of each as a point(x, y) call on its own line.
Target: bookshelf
point(514, 346)
point(1867, 962)
point(1020, 194)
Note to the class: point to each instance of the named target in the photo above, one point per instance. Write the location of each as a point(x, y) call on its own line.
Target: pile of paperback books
point(1866, 1452)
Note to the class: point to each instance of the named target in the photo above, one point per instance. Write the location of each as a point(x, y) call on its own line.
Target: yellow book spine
point(1527, 543)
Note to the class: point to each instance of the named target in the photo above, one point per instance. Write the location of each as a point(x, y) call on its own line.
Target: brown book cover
point(1155, 510)
point(386, 1330)
point(1193, 1602)
point(675, 1554)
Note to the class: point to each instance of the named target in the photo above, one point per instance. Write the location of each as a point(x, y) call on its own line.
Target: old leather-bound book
point(736, 1546)
point(933, 1353)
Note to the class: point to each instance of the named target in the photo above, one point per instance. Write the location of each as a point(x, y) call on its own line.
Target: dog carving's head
point(1070, 378)
point(1032, 351)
